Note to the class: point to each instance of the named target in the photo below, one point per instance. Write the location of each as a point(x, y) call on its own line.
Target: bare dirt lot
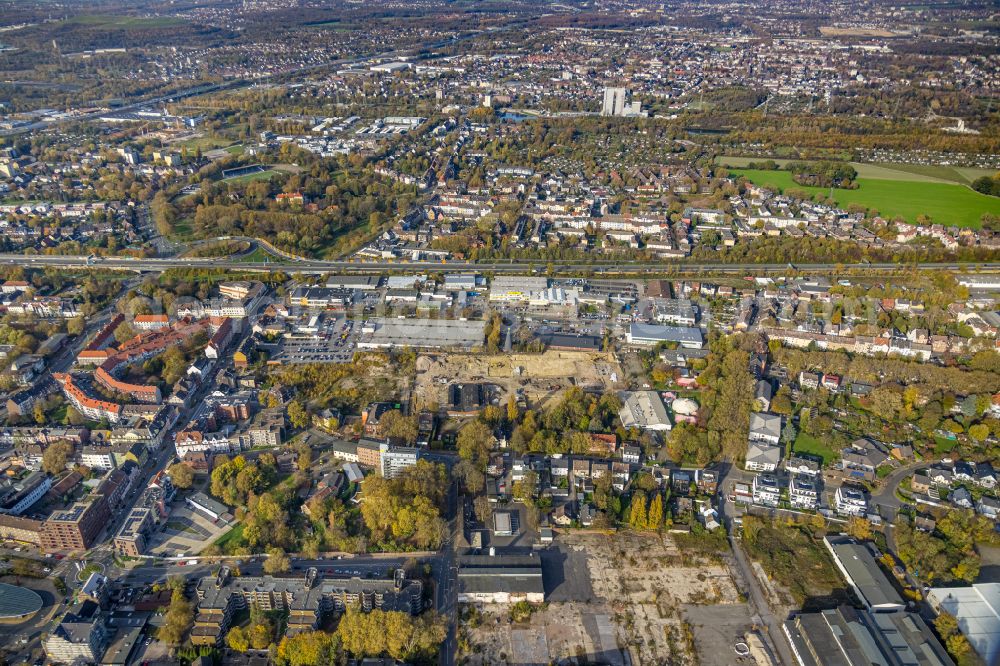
point(637, 598)
point(539, 376)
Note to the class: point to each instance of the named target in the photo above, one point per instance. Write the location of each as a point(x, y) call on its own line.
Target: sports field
point(944, 202)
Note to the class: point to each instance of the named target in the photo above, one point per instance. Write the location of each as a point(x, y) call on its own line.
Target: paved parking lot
point(184, 531)
point(334, 341)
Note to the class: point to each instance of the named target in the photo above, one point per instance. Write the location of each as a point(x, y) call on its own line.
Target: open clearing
point(539, 376)
point(639, 592)
point(945, 203)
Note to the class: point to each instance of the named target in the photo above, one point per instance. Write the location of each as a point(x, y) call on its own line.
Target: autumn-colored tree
point(277, 561)
point(237, 640)
point(859, 528)
point(637, 514)
point(181, 475)
point(654, 519)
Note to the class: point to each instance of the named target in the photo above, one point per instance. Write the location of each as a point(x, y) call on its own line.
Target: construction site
point(534, 378)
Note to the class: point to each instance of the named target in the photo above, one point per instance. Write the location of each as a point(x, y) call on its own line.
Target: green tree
point(177, 620)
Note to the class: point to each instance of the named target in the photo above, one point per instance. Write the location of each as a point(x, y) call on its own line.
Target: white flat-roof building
point(766, 490)
point(648, 335)
point(385, 333)
point(850, 501)
point(645, 410)
point(803, 492)
point(516, 288)
point(977, 610)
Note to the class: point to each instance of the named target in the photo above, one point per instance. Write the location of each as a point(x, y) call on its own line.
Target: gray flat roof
point(18, 601)
point(859, 566)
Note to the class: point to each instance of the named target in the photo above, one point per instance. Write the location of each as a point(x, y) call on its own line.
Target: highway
point(314, 266)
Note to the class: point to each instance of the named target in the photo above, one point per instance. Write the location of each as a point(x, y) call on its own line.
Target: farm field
point(925, 173)
point(945, 203)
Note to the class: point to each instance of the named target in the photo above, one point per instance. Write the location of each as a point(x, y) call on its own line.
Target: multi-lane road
point(315, 266)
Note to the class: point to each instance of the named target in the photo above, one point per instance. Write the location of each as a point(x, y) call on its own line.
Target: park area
point(907, 191)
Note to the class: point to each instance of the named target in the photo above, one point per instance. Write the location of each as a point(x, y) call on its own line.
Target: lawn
point(944, 203)
point(258, 256)
point(808, 444)
point(924, 173)
point(232, 539)
point(250, 177)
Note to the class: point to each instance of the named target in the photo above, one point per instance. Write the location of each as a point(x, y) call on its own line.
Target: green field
point(250, 177)
point(924, 173)
point(808, 444)
point(232, 539)
point(258, 256)
point(945, 203)
point(126, 22)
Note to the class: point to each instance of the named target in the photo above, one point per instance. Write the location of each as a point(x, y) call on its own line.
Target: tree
point(979, 432)
point(277, 561)
point(474, 442)
point(177, 620)
point(394, 424)
point(655, 518)
point(297, 414)
point(309, 648)
point(124, 332)
point(237, 640)
point(55, 457)
point(181, 475)
point(260, 635)
point(859, 528)
point(637, 515)
point(304, 461)
point(75, 326)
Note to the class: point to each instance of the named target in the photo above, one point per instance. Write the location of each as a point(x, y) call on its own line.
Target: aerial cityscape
point(499, 332)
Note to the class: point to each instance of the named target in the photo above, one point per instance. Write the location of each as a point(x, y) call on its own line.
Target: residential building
point(850, 501)
point(394, 459)
point(762, 457)
point(77, 527)
point(765, 427)
point(131, 538)
point(766, 490)
point(803, 492)
point(80, 637)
